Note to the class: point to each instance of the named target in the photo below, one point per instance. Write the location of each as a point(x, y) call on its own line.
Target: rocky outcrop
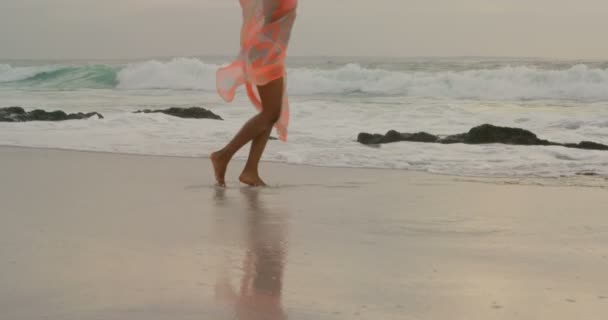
point(394, 136)
point(483, 134)
point(188, 113)
point(488, 133)
point(18, 114)
point(589, 145)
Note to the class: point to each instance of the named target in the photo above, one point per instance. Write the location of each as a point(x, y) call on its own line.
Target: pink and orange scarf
point(265, 37)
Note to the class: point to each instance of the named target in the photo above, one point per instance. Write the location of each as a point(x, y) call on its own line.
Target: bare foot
point(220, 163)
point(252, 179)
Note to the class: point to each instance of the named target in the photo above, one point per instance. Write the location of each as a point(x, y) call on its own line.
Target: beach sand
point(107, 236)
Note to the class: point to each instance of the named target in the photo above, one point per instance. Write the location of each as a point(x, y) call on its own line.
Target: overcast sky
point(50, 29)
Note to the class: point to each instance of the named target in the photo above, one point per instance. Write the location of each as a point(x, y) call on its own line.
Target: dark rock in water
point(488, 133)
point(13, 110)
point(588, 145)
point(188, 113)
point(394, 136)
point(587, 173)
point(483, 134)
point(456, 138)
point(421, 137)
point(80, 115)
point(10, 114)
point(366, 138)
point(41, 115)
point(18, 114)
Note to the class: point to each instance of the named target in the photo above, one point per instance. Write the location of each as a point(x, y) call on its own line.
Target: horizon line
point(164, 57)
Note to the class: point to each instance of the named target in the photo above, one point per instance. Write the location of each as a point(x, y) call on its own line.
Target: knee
point(271, 117)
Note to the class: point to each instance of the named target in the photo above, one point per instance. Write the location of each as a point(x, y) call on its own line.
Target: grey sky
point(143, 28)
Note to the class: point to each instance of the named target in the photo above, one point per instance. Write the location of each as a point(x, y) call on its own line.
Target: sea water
point(332, 100)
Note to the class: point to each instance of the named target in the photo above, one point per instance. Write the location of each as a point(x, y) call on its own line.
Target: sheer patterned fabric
point(265, 37)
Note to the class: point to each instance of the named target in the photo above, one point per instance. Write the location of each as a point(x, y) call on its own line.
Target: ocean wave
point(9, 73)
point(59, 77)
point(180, 73)
point(576, 82)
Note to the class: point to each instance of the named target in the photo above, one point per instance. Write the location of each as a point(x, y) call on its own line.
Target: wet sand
point(105, 236)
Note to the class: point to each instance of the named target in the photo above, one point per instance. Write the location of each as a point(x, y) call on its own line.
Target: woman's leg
point(258, 127)
point(251, 175)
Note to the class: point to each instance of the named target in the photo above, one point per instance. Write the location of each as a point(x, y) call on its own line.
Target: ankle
point(250, 172)
point(222, 154)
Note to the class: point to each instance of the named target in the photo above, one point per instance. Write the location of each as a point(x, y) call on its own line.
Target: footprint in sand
point(496, 306)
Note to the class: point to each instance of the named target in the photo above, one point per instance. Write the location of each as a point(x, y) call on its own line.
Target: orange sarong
point(265, 37)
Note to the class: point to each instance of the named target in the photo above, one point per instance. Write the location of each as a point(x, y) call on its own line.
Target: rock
point(366, 138)
point(14, 110)
point(394, 136)
point(10, 114)
point(488, 133)
point(421, 137)
point(587, 173)
point(456, 138)
point(18, 114)
point(588, 145)
point(188, 113)
point(41, 115)
point(483, 134)
point(80, 115)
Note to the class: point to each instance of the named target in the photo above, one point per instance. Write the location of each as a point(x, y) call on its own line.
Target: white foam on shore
point(324, 132)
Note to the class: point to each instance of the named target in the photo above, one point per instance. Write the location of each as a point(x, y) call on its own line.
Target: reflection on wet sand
point(259, 294)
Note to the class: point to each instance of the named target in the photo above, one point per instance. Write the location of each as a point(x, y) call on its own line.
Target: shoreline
point(593, 181)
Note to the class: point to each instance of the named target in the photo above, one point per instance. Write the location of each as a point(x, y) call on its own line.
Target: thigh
point(271, 95)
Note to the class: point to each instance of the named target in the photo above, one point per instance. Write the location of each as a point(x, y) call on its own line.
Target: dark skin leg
point(250, 175)
point(257, 130)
